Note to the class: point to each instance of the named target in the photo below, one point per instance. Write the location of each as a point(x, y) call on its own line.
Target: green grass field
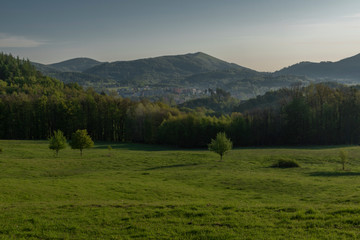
point(151, 192)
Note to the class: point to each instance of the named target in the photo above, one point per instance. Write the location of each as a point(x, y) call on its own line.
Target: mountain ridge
point(199, 71)
point(344, 70)
point(161, 69)
point(75, 64)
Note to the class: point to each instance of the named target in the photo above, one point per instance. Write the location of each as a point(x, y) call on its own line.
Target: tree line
point(33, 106)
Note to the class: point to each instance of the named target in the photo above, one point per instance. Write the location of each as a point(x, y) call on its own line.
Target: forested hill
point(184, 77)
point(72, 65)
point(20, 76)
point(345, 70)
point(166, 69)
point(32, 106)
point(75, 65)
point(167, 75)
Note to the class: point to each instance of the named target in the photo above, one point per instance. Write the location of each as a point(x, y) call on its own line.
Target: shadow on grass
point(301, 147)
point(133, 146)
point(172, 166)
point(334, 174)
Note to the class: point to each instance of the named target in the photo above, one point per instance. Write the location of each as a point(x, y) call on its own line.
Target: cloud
point(353, 16)
point(9, 41)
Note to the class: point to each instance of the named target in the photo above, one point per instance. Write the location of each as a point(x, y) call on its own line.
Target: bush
point(286, 163)
point(344, 156)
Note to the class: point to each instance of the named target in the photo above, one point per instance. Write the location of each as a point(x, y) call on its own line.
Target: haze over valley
point(189, 76)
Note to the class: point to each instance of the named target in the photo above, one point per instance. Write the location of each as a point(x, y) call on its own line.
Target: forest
point(32, 106)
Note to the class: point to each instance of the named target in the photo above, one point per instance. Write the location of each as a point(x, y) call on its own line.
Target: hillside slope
point(75, 65)
point(345, 70)
point(166, 69)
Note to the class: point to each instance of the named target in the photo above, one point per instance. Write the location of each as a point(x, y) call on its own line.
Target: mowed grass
point(152, 192)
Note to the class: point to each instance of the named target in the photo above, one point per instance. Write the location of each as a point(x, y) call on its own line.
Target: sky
point(264, 35)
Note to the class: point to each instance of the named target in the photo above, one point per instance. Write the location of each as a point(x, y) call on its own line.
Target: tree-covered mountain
point(178, 77)
point(70, 71)
point(166, 69)
point(72, 65)
point(346, 70)
point(184, 77)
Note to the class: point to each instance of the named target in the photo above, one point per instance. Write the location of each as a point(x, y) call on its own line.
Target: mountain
point(177, 77)
point(71, 71)
point(75, 65)
point(45, 69)
point(71, 65)
point(166, 69)
point(345, 70)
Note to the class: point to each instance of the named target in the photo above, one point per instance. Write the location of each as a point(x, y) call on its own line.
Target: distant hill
point(179, 77)
point(71, 71)
point(274, 99)
point(346, 70)
point(166, 69)
point(218, 101)
point(45, 69)
point(74, 65)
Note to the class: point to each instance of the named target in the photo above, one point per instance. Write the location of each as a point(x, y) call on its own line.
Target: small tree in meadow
point(81, 140)
point(343, 158)
point(220, 145)
point(57, 141)
point(109, 148)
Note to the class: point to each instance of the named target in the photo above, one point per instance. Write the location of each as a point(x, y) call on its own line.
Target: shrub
point(286, 163)
point(343, 158)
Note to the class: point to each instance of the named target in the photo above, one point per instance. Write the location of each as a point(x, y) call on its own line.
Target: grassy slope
point(149, 192)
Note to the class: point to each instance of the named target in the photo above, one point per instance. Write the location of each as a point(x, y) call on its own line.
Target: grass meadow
point(153, 192)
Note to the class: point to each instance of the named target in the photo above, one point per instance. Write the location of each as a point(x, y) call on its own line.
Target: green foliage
point(220, 145)
point(286, 163)
point(191, 130)
point(344, 158)
point(57, 141)
point(109, 148)
point(81, 140)
point(32, 106)
point(220, 102)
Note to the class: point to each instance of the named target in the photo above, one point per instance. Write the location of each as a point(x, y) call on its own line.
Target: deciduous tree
point(220, 145)
point(343, 158)
point(57, 141)
point(81, 140)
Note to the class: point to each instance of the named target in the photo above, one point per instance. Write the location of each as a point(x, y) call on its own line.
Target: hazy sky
point(264, 35)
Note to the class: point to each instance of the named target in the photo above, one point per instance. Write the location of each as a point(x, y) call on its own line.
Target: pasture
point(153, 192)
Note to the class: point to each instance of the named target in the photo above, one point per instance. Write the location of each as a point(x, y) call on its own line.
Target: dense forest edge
point(32, 106)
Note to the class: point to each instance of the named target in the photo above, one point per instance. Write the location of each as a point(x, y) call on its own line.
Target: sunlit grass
point(153, 192)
